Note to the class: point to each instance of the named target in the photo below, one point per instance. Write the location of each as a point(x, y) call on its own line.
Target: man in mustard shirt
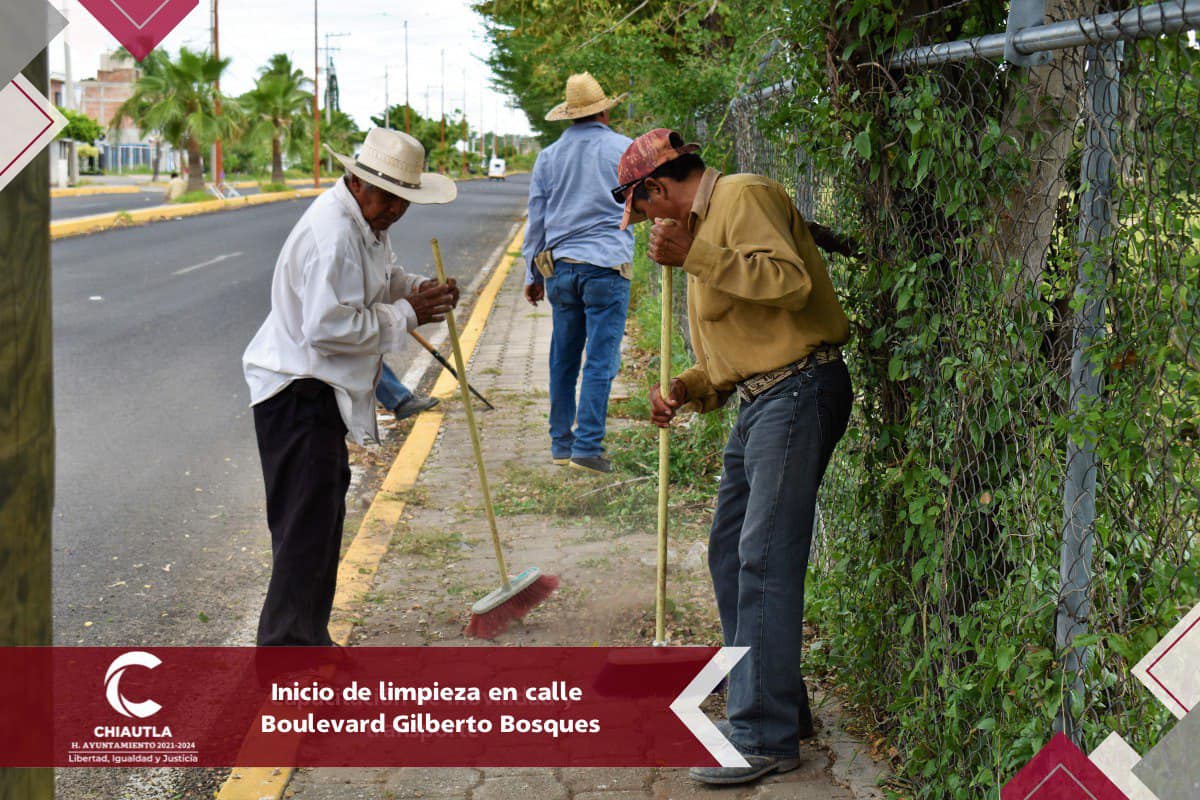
point(766, 325)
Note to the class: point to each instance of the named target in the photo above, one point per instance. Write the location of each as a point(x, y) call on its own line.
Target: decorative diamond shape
point(30, 123)
point(139, 24)
point(1171, 670)
point(1060, 771)
point(1171, 769)
point(28, 27)
point(1116, 759)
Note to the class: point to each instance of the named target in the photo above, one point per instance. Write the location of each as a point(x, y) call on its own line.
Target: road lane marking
point(209, 263)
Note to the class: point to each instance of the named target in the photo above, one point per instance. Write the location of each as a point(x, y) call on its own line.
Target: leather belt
point(755, 385)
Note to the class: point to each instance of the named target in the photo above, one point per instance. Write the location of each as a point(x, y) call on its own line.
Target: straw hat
point(584, 98)
point(392, 161)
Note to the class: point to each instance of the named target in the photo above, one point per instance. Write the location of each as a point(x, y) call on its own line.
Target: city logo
point(112, 684)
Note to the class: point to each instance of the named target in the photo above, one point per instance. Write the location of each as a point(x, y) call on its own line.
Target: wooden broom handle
point(664, 462)
point(466, 396)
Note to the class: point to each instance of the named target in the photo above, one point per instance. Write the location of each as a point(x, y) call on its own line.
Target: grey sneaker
point(414, 405)
point(759, 766)
point(598, 464)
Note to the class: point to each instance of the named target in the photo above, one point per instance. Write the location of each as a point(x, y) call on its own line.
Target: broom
point(518, 595)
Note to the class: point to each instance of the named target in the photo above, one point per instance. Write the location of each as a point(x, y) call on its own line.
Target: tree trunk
point(157, 159)
point(195, 166)
point(276, 159)
point(1040, 119)
point(26, 428)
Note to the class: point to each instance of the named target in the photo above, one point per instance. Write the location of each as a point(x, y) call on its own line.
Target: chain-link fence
point(1011, 522)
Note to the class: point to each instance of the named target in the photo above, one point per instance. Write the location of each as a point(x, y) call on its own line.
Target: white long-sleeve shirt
point(337, 305)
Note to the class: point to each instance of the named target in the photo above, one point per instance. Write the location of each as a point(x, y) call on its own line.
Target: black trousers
point(306, 470)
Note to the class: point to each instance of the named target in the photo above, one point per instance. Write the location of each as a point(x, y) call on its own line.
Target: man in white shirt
point(339, 301)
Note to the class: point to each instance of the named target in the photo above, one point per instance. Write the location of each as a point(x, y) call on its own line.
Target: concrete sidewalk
point(441, 560)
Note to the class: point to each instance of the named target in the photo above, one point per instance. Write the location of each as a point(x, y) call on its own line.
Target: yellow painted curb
point(447, 384)
point(78, 226)
point(86, 191)
point(356, 572)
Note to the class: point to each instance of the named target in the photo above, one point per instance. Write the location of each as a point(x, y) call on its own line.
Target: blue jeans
point(759, 545)
point(589, 305)
point(390, 392)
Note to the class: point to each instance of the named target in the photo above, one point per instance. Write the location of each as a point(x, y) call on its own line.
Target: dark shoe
point(759, 766)
point(414, 405)
point(598, 464)
point(561, 461)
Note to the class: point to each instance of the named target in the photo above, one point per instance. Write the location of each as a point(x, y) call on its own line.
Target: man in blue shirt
point(574, 226)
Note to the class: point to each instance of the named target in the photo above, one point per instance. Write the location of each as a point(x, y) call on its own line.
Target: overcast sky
point(253, 30)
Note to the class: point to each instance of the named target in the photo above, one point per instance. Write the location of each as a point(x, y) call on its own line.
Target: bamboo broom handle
point(466, 396)
point(664, 462)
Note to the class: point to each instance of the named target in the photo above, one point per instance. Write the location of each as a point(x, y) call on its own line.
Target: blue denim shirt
point(571, 210)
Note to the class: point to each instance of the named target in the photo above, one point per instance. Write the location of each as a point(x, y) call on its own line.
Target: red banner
point(385, 706)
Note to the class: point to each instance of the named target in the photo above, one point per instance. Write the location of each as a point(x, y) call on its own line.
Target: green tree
point(429, 133)
point(80, 127)
point(276, 109)
point(340, 131)
point(664, 55)
point(178, 99)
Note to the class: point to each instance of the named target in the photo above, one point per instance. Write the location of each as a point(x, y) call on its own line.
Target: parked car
point(497, 169)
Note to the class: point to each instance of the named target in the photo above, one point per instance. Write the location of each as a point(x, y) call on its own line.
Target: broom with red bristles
point(517, 595)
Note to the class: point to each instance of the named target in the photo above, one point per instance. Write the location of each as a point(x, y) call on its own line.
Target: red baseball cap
point(647, 153)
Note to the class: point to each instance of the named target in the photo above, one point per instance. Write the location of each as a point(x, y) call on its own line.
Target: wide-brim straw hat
point(393, 161)
point(584, 98)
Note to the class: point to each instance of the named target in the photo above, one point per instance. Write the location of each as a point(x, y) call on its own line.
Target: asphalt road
point(160, 535)
point(86, 206)
point(66, 207)
point(158, 510)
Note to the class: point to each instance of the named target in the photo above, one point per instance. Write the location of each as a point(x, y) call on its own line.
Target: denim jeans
point(390, 392)
point(759, 546)
point(589, 305)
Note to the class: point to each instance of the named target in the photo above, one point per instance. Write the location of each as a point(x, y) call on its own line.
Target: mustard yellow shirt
point(759, 294)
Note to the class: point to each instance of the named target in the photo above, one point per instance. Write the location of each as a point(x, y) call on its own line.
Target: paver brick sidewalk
point(441, 561)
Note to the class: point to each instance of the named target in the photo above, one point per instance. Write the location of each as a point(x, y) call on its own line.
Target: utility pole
point(218, 153)
point(26, 424)
point(316, 101)
point(68, 83)
point(407, 104)
point(465, 130)
point(330, 86)
point(443, 101)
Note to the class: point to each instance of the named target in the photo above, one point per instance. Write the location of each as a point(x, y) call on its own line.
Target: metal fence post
point(1102, 76)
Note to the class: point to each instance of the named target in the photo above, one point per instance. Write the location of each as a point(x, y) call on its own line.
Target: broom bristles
point(491, 624)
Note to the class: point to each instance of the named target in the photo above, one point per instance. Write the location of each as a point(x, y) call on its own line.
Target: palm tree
point(177, 99)
point(152, 64)
point(341, 133)
point(277, 106)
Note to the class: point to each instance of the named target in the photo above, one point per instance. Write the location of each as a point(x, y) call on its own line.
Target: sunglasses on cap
point(619, 194)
